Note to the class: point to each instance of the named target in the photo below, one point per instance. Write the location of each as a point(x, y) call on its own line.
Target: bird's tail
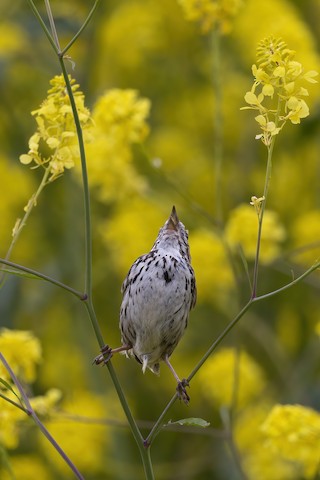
point(155, 368)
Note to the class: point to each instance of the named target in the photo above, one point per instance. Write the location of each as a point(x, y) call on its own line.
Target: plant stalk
point(32, 413)
point(28, 209)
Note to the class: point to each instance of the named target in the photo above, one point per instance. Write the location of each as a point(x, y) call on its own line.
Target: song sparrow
point(158, 294)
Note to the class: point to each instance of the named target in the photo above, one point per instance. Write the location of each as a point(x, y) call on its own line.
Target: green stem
point(85, 182)
point(88, 282)
point(224, 333)
point(263, 207)
point(28, 209)
point(143, 448)
point(43, 25)
point(221, 337)
point(52, 25)
point(158, 425)
point(15, 404)
point(83, 26)
point(261, 215)
point(226, 417)
point(37, 274)
point(32, 413)
point(289, 285)
point(145, 455)
point(147, 463)
point(145, 452)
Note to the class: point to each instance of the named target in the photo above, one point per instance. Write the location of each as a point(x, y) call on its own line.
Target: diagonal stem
point(159, 423)
point(37, 274)
point(52, 25)
point(83, 26)
point(32, 413)
point(270, 148)
point(43, 25)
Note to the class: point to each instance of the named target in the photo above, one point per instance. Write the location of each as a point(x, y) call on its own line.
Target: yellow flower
point(12, 344)
point(10, 419)
point(45, 404)
point(297, 109)
point(80, 431)
point(242, 227)
point(278, 77)
point(211, 14)
point(230, 375)
point(257, 203)
point(121, 114)
point(293, 431)
point(120, 121)
point(306, 234)
point(258, 461)
point(213, 272)
point(12, 39)
point(26, 467)
point(56, 129)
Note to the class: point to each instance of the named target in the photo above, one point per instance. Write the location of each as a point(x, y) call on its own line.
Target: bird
point(158, 293)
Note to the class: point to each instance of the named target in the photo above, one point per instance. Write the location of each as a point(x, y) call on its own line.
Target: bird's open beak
point(173, 220)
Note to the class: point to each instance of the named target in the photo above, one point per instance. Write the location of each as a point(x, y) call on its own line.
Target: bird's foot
point(182, 392)
point(105, 355)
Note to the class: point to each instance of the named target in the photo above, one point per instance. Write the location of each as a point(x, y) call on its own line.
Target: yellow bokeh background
point(150, 78)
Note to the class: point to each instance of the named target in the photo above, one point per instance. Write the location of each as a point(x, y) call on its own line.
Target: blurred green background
point(148, 45)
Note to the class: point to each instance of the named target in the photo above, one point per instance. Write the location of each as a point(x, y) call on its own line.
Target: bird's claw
point(104, 357)
point(182, 392)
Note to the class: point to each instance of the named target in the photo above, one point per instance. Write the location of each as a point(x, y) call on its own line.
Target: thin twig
point(43, 25)
point(83, 26)
point(32, 413)
point(42, 276)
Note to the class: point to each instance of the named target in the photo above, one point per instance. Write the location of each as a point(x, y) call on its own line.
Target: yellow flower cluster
point(211, 14)
point(26, 466)
point(120, 121)
point(306, 234)
point(44, 404)
point(259, 461)
point(293, 431)
point(277, 94)
point(231, 376)
point(83, 441)
point(12, 39)
point(10, 418)
point(56, 133)
point(22, 351)
point(241, 230)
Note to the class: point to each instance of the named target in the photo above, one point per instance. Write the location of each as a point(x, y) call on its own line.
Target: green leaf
point(10, 388)
point(6, 384)
point(190, 422)
point(11, 271)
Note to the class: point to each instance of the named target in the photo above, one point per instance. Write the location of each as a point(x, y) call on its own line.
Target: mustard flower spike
point(277, 93)
point(293, 431)
point(11, 343)
point(56, 128)
point(211, 14)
